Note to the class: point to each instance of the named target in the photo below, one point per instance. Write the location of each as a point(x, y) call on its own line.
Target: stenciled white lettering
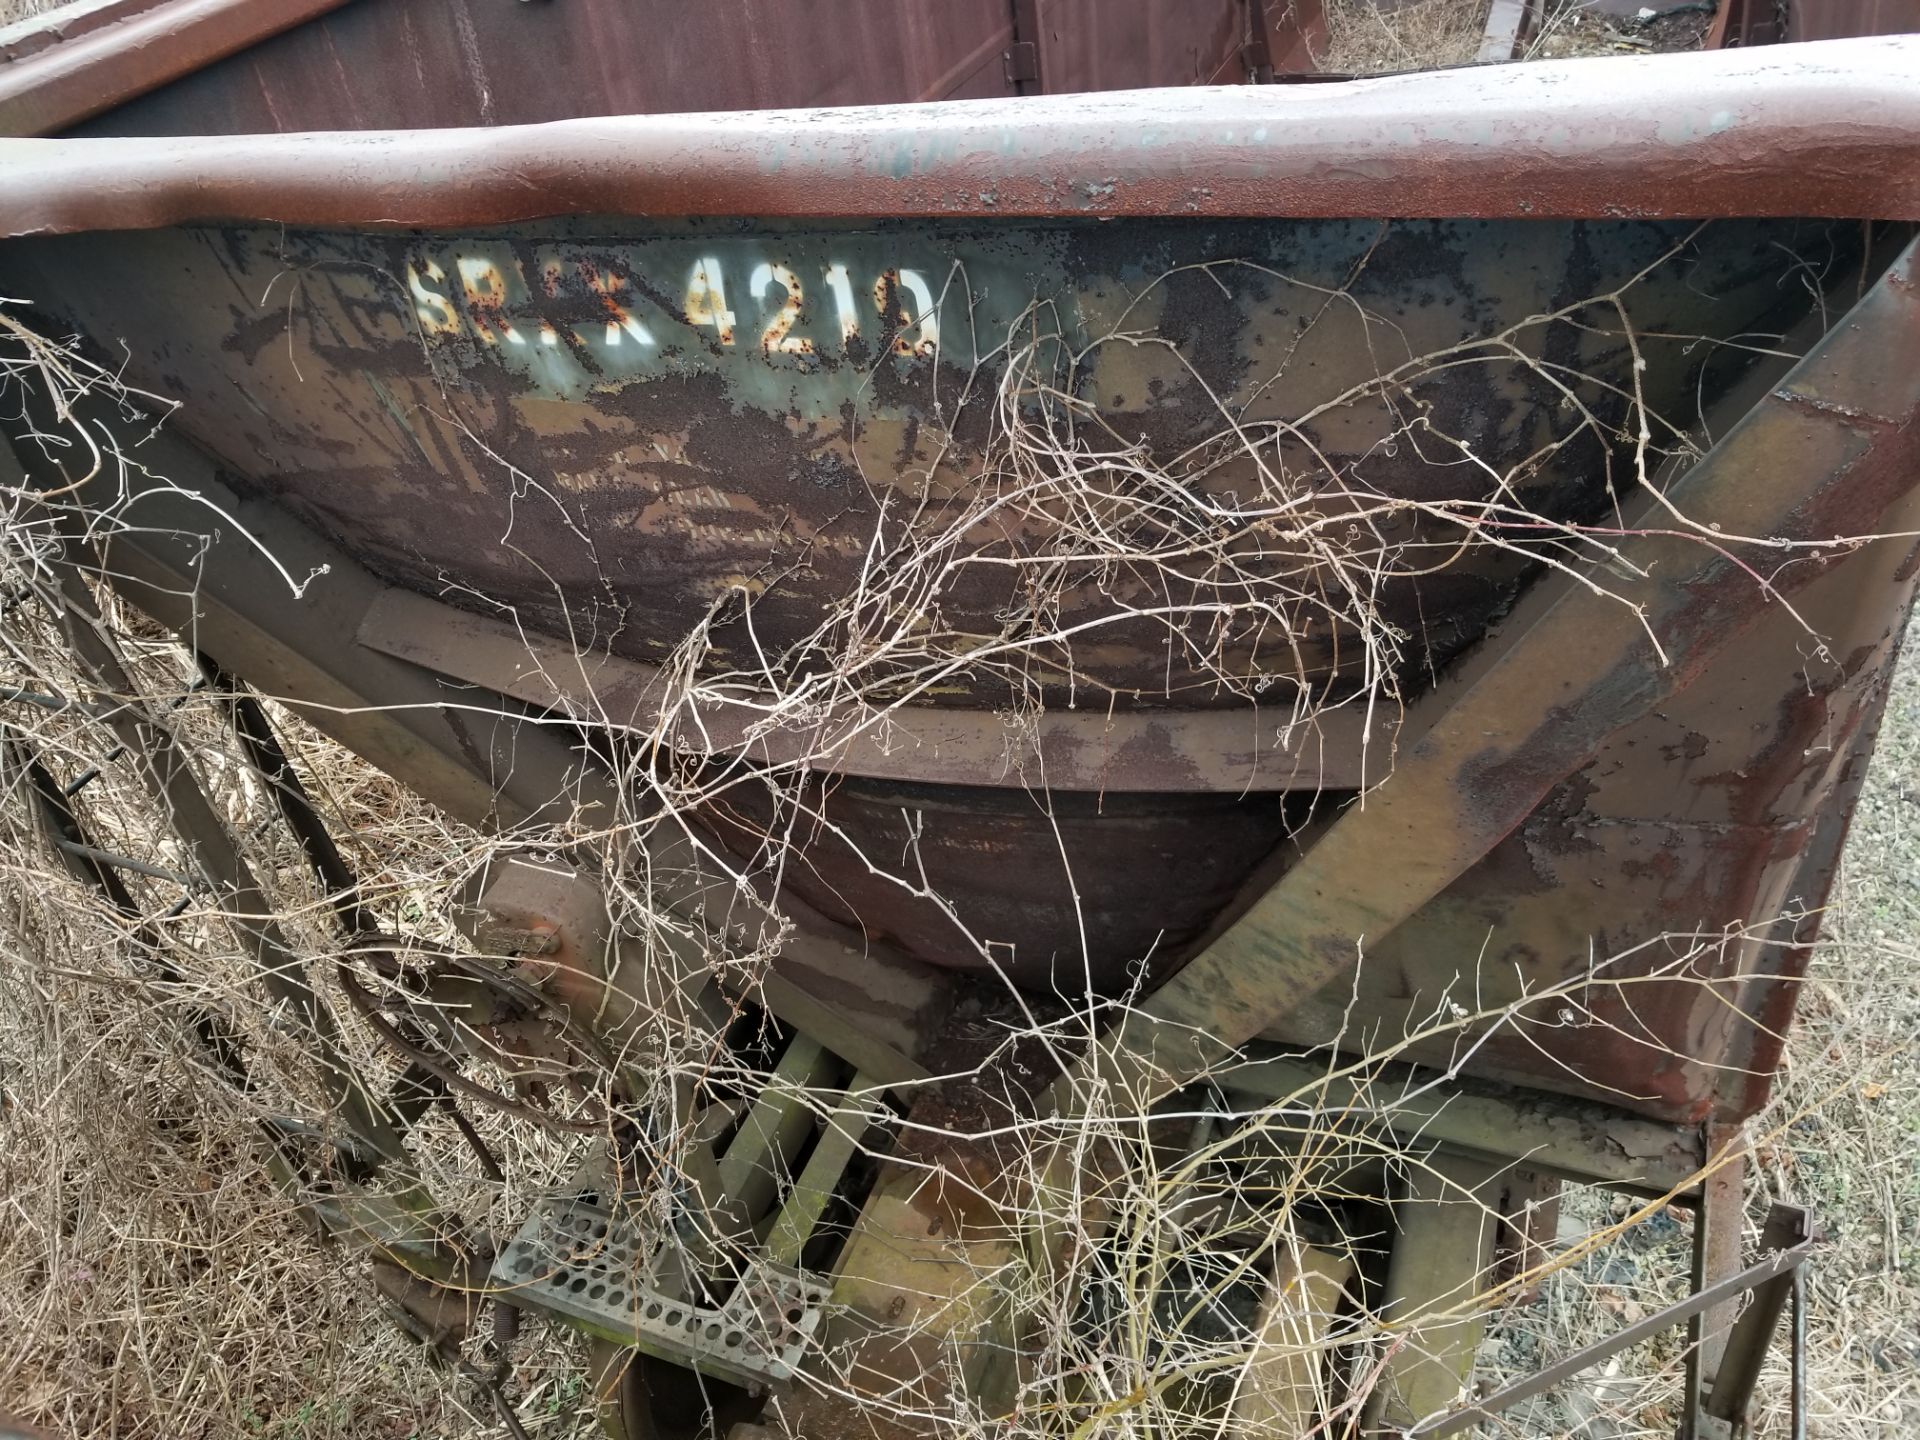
point(493, 301)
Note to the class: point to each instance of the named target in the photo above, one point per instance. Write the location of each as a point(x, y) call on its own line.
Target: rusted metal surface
point(1744, 1346)
point(662, 487)
point(1237, 751)
point(551, 997)
point(1735, 23)
point(1284, 37)
point(407, 63)
point(1529, 729)
point(670, 456)
point(1687, 822)
point(1823, 20)
point(1103, 891)
point(1579, 1140)
point(1529, 1231)
point(1084, 45)
point(1024, 50)
point(128, 50)
point(1510, 23)
point(540, 420)
point(672, 472)
point(1719, 1221)
point(1136, 865)
point(1728, 805)
point(437, 63)
point(1830, 129)
point(681, 463)
point(1768, 22)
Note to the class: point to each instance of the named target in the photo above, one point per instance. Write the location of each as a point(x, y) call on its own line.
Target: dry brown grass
point(156, 1282)
point(1366, 38)
point(14, 10)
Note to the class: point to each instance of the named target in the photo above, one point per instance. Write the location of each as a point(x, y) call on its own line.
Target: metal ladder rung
point(122, 862)
point(93, 772)
point(807, 1201)
point(775, 1128)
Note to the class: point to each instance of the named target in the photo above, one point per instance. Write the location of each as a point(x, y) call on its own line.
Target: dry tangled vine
point(1200, 1271)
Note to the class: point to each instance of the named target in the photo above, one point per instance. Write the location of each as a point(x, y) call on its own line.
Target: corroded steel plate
point(621, 432)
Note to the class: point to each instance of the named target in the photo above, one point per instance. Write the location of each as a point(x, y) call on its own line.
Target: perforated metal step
point(573, 1260)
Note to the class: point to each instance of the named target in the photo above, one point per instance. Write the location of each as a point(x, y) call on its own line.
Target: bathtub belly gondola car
point(1404, 569)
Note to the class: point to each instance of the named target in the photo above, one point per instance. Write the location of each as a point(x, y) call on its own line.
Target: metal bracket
point(1788, 1227)
point(574, 1261)
point(1765, 1275)
point(1259, 47)
point(1022, 57)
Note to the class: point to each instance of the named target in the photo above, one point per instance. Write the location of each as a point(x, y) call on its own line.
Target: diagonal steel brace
point(1830, 451)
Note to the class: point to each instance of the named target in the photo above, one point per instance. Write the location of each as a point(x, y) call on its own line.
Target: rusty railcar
point(1559, 407)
